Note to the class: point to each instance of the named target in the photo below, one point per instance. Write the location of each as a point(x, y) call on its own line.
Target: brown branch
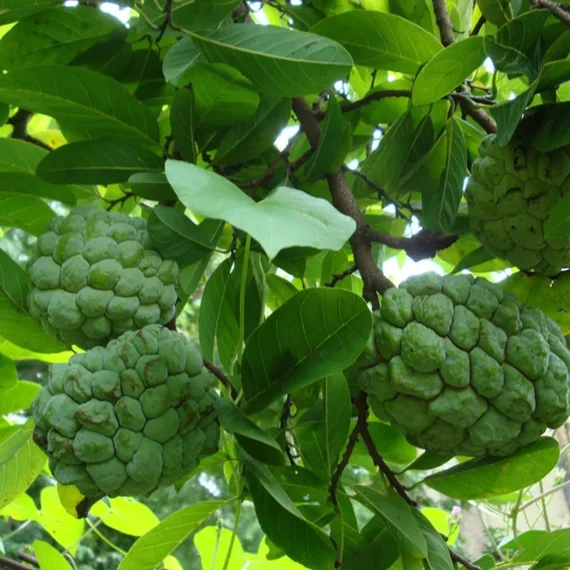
point(335, 479)
point(370, 98)
point(19, 122)
point(460, 560)
point(423, 245)
point(478, 115)
point(340, 276)
point(555, 9)
point(362, 407)
point(9, 563)
point(220, 376)
point(443, 22)
point(374, 280)
point(29, 559)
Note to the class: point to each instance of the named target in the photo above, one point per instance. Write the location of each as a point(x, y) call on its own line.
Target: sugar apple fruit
point(510, 194)
point(94, 276)
point(127, 418)
point(460, 366)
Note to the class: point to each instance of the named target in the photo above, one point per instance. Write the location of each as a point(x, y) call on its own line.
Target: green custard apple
point(510, 194)
point(129, 417)
point(460, 366)
point(95, 275)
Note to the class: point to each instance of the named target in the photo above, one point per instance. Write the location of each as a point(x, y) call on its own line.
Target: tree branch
point(555, 9)
point(370, 98)
point(19, 122)
point(478, 115)
point(340, 276)
point(9, 563)
point(443, 22)
point(374, 280)
point(425, 244)
point(460, 560)
point(220, 376)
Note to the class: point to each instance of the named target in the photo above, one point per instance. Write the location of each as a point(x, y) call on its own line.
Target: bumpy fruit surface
point(510, 194)
point(459, 366)
point(94, 276)
point(128, 418)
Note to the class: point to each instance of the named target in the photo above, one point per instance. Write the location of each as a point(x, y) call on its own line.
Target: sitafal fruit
point(95, 275)
point(130, 417)
point(510, 194)
point(460, 366)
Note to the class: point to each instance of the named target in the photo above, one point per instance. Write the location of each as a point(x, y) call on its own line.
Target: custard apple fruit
point(460, 366)
point(510, 195)
point(94, 276)
point(129, 417)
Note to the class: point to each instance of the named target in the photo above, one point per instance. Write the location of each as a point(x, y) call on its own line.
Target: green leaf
point(276, 60)
point(558, 560)
point(472, 259)
point(21, 461)
point(490, 476)
point(497, 12)
point(16, 325)
point(56, 36)
point(398, 514)
point(284, 524)
point(316, 333)
point(183, 122)
point(514, 48)
point(557, 225)
point(447, 69)
point(251, 437)
point(176, 236)
point(508, 114)
point(126, 515)
point(214, 543)
point(429, 460)
point(437, 551)
point(442, 203)
point(389, 442)
point(380, 40)
point(111, 57)
point(279, 291)
point(323, 430)
point(249, 139)
point(179, 59)
point(486, 562)
point(97, 161)
point(19, 397)
point(90, 101)
point(547, 126)
point(552, 543)
point(48, 557)
point(28, 213)
point(329, 142)
point(223, 95)
point(30, 185)
point(284, 219)
point(152, 186)
point(8, 373)
point(417, 11)
point(150, 549)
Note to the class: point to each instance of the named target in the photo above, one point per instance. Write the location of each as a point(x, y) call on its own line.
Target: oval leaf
point(48, 557)
point(152, 186)
point(318, 332)
point(485, 477)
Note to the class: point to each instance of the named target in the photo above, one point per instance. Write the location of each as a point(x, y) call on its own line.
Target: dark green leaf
point(92, 102)
point(182, 124)
point(56, 36)
point(322, 431)
point(513, 48)
point(111, 57)
point(179, 59)
point(420, 12)
point(559, 560)
point(490, 476)
point(152, 186)
point(223, 96)
point(546, 126)
point(98, 161)
point(176, 236)
point(437, 551)
point(429, 460)
point(550, 543)
point(284, 524)
point(29, 184)
point(329, 143)
point(16, 325)
point(447, 69)
point(251, 437)
point(557, 225)
point(280, 291)
point(14, 10)
point(28, 213)
point(276, 60)
point(523, 540)
point(318, 332)
point(442, 203)
point(398, 514)
point(380, 40)
point(247, 140)
point(486, 562)
point(4, 113)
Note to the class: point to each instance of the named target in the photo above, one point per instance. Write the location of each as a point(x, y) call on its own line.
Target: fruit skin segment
point(460, 366)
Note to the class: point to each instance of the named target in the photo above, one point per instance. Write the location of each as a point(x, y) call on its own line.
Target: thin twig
point(555, 9)
point(9, 563)
point(443, 22)
point(343, 199)
point(543, 495)
point(478, 115)
point(220, 376)
point(24, 557)
point(370, 98)
point(477, 28)
point(19, 122)
point(340, 276)
point(460, 560)
point(362, 407)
